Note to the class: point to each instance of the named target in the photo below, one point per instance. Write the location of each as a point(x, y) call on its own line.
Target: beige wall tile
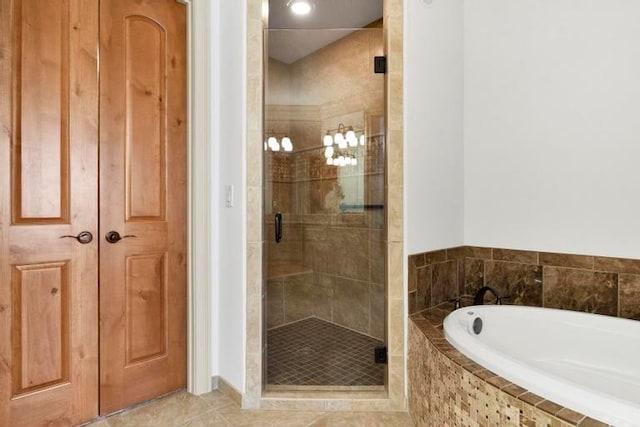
point(378, 311)
point(395, 161)
point(254, 269)
point(395, 209)
point(304, 298)
point(395, 280)
point(254, 324)
point(254, 209)
point(396, 327)
point(275, 303)
point(254, 107)
point(351, 304)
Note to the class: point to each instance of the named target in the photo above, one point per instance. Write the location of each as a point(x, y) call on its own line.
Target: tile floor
point(316, 352)
point(216, 410)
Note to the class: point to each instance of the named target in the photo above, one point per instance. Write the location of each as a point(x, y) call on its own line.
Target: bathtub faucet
point(479, 298)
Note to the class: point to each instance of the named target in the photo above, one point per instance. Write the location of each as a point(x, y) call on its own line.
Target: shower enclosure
point(324, 205)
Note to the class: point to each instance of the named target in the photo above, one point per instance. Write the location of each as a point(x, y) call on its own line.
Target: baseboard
point(220, 384)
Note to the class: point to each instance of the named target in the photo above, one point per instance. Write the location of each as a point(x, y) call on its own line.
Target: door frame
point(199, 271)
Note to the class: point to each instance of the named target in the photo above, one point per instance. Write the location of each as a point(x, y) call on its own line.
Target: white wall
point(433, 73)
point(552, 125)
point(228, 162)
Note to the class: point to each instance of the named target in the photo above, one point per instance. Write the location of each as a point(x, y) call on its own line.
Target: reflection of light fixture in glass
point(328, 152)
point(287, 144)
point(300, 7)
point(346, 138)
point(328, 140)
point(330, 161)
point(351, 137)
point(273, 144)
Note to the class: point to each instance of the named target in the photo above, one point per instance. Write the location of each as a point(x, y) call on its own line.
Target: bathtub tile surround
point(581, 290)
point(447, 388)
point(521, 282)
point(593, 284)
point(629, 288)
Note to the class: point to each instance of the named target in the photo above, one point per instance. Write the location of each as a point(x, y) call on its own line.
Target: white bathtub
point(585, 362)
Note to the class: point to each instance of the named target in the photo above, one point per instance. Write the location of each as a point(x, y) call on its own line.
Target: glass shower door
point(325, 211)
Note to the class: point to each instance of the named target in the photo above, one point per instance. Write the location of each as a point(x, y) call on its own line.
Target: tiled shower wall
point(602, 285)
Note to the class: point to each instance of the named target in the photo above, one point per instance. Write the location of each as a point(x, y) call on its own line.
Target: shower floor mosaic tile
point(319, 353)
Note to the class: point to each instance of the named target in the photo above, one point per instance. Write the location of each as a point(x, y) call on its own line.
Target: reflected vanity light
point(328, 152)
point(287, 144)
point(346, 138)
point(273, 144)
point(328, 140)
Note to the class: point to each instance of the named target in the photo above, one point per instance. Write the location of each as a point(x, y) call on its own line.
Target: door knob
point(115, 237)
point(83, 237)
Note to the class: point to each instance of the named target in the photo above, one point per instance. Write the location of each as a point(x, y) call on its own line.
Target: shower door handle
point(278, 227)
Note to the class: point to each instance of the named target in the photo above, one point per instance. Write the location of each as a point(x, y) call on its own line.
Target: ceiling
point(292, 37)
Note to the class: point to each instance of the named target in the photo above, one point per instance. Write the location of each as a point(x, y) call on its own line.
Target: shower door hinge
point(380, 355)
point(380, 64)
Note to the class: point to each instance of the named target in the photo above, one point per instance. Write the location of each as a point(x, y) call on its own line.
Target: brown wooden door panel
point(40, 341)
point(48, 188)
point(41, 112)
point(49, 115)
point(143, 158)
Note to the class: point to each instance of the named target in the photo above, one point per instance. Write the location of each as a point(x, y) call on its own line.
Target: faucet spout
point(479, 297)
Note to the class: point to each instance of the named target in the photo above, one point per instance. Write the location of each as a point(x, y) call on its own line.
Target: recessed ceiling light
point(300, 7)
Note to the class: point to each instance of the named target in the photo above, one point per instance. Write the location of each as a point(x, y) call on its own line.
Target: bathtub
point(585, 362)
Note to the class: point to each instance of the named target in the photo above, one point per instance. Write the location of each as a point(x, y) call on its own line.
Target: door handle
point(278, 227)
point(115, 237)
point(83, 237)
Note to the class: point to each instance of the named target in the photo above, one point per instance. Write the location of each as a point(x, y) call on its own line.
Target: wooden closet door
point(48, 189)
point(143, 198)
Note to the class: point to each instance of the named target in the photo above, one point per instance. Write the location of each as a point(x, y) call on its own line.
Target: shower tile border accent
point(255, 257)
point(593, 284)
point(446, 387)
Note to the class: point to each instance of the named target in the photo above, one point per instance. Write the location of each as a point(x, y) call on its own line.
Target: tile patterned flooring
point(217, 410)
point(316, 352)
